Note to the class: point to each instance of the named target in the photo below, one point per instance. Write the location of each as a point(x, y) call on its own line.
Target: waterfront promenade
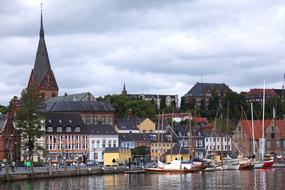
point(23, 173)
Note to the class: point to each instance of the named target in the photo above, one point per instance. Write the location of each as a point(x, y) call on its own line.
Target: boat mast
point(162, 135)
point(252, 128)
point(262, 141)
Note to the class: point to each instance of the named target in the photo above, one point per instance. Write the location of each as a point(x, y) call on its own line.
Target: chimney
point(65, 94)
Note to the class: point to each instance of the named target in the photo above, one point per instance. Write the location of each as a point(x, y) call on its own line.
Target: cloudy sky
point(155, 46)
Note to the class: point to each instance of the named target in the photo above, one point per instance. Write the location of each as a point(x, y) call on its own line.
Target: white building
point(101, 137)
point(217, 142)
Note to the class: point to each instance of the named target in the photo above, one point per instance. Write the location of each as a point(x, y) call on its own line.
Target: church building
point(42, 76)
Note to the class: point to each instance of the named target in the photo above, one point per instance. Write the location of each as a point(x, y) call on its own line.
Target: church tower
point(124, 91)
point(42, 76)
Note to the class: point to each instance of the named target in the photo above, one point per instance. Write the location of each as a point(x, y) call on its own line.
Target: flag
point(274, 113)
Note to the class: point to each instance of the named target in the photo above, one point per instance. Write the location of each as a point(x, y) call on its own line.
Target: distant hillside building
point(201, 93)
point(256, 95)
point(42, 76)
point(157, 98)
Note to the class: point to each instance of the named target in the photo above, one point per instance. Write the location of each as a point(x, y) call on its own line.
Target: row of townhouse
point(70, 135)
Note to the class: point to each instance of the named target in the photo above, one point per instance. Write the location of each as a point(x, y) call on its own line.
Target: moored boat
point(175, 167)
point(263, 164)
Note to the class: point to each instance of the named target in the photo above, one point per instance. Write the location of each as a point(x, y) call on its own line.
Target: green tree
point(231, 105)
point(142, 108)
point(139, 151)
point(3, 109)
point(119, 103)
point(277, 104)
point(214, 105)
point(162, 103)
point(29, 123)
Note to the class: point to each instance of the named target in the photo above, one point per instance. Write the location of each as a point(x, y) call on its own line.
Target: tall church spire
point(42, 33)
point(42, 75)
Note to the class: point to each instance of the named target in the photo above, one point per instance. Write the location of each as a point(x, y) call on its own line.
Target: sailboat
point(262, 163)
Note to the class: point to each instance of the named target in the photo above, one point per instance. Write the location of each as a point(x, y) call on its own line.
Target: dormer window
point(49, 121)
point(95, 120)
point(60, 121)
point(68, 129)
point(49, 129)
point(87, 120)
point(59, 129)
point(103, 119)
point(70, 121)
point(77, 129)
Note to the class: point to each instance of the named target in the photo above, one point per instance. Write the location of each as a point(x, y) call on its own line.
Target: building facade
point(201, 93)
point(256, 95)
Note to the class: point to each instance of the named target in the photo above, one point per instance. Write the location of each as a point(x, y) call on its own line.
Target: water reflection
point(254, 179)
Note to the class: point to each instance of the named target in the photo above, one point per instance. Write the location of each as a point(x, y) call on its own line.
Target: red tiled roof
point(246, 127)
point(259, 91)
point(281, 125)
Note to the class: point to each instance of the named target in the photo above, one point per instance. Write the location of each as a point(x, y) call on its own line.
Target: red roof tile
point(259, 91)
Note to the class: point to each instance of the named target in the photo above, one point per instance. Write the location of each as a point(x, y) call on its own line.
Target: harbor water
point(247, 179)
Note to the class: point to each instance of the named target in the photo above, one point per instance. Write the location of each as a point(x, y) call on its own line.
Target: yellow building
point(160, 145)
point(146, 126)
point(177, 152)
point(134, 125)
point(158, 149)
point(116, 156)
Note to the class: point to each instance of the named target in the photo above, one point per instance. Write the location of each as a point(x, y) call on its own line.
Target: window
point(87, 120)
point(114, 143)
point(218, 139)
point(77, 129)
point(111, 121)
point(200, 143)
point(218, 147)
point(103, 119)
point(109, 143)
point(49, 129)
point(104, 144)
point(95, 120)
point(98, 143)
point(68, 129)
point(206, 139)
point(59, 129)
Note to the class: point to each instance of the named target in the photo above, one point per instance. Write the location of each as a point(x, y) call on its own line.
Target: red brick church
point(42, 76)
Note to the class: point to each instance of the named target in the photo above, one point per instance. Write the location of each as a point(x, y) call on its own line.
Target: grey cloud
point(154, 46)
